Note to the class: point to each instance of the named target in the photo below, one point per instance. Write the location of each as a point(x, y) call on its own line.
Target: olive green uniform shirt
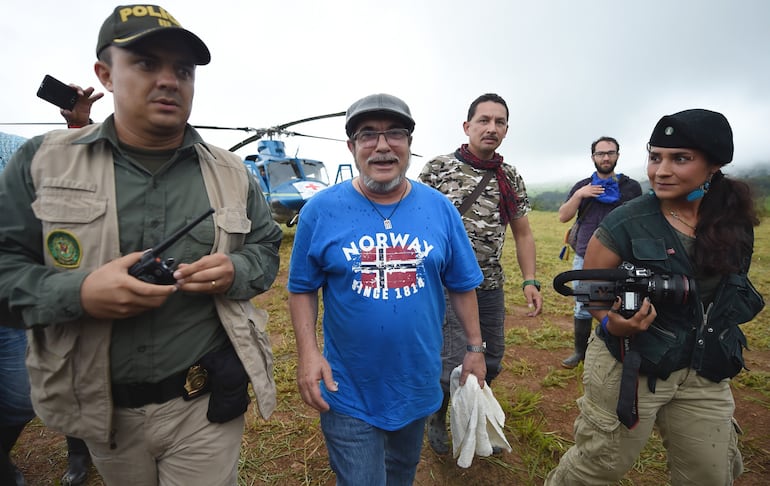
point(151, 207)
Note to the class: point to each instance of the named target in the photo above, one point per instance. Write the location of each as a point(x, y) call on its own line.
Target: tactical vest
point(645, 239)
point(68, 363)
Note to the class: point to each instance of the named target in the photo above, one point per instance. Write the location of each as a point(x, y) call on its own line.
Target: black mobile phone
point(58, 93)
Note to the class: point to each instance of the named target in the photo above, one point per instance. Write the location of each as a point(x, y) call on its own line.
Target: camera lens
point(669, 289)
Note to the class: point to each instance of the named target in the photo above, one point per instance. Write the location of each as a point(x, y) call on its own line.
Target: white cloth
point(476, 419)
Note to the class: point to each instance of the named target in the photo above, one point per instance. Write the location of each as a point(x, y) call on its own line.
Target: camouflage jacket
point(457, 180)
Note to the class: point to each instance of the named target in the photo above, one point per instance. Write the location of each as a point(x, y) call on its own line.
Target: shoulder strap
point(476, 192)
point(582, 212)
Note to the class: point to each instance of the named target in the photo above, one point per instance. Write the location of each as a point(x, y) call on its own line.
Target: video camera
point(151, 269)
point(629, 282)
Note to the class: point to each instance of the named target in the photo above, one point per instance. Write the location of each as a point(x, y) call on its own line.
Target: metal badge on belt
point(196, 381)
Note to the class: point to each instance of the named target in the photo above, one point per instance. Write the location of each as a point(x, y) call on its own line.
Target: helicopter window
point(315, 170)
point(282, 171)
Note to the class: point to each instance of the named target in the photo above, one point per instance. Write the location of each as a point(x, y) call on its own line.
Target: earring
point(700, 192)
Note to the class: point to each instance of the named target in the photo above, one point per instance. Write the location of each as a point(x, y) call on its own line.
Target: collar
point(106, 131)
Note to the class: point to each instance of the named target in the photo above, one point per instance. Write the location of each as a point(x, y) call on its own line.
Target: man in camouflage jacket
point(502, 201)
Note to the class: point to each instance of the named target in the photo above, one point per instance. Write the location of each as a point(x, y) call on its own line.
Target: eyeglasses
point(370, 138)
point(600, 155)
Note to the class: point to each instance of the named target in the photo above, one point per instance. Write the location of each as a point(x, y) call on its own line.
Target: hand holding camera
point(616, 323)
point(629, 282)
point(630, 291)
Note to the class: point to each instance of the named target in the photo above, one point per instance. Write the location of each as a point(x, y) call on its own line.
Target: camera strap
point(628, 399)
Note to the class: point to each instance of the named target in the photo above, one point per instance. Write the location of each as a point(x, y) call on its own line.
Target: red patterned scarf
point(508, 199)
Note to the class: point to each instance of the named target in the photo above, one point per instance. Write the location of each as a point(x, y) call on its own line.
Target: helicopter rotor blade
point(260, 133)
point(297, 134)
point(210, 127)
point(312, 118)
point(203, 127)
point(280, 129)
point(31, 123)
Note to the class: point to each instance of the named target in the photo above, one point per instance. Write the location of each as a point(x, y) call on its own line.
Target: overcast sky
point(570, 70)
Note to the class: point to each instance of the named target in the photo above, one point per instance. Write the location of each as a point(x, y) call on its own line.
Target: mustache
point(382, 158)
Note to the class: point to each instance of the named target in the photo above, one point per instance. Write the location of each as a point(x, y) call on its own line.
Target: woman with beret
point(669, 362)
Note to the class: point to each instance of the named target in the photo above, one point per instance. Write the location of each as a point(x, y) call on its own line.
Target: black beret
point(704, 130)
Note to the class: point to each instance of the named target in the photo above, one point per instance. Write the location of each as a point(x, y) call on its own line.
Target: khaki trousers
point(694, 417)
point(170, 444)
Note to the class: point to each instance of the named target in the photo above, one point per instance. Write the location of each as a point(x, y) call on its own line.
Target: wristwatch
point(536, 283)
point(476, 349)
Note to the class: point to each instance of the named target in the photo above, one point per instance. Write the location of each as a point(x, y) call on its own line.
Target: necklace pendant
point(387, 224)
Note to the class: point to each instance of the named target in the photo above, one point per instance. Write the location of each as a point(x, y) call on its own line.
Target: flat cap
point(378, 104)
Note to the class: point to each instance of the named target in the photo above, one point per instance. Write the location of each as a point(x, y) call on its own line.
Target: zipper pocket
point(661, 331)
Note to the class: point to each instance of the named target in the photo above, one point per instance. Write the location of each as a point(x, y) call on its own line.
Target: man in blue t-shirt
point(382, 248)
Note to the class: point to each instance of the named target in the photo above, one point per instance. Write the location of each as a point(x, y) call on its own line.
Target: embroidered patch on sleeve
point(64, 248)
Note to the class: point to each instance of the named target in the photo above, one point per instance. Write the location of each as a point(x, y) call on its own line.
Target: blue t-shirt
point(383, 296)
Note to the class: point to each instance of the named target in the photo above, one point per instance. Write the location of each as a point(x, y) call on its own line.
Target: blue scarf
point(611, 188)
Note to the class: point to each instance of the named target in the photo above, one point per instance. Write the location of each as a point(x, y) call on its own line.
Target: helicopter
point(286, 182)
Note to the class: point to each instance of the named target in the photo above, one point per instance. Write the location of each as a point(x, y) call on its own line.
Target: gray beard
point(382, 187)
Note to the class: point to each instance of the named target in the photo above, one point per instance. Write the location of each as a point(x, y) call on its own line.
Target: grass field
point(536, 394)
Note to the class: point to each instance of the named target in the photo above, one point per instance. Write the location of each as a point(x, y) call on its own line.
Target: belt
point(134, 395)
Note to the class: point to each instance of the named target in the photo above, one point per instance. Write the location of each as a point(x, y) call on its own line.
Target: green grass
point(288, 449)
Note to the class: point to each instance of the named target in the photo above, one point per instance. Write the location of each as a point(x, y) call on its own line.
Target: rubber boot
point(79, 463)
point(438, 438)
point(582, 333)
